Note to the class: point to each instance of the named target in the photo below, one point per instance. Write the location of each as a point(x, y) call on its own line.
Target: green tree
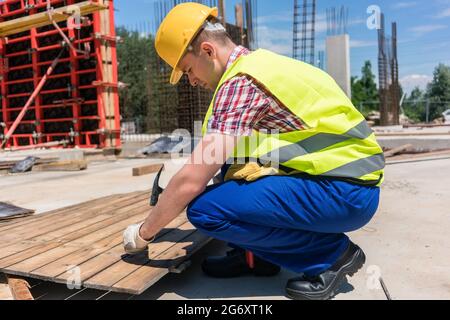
point(438, 91)
point(134, 54)
point(415, 105)
point(364, 90)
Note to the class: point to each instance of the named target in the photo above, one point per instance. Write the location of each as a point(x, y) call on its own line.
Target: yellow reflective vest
point(337, 141)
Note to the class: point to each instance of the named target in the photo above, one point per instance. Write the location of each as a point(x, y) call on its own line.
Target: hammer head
point(157, 190)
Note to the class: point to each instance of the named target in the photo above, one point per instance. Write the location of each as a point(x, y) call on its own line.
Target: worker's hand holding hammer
point(132, 241)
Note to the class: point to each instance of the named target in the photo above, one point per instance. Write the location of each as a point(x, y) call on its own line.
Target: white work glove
point(132, 241)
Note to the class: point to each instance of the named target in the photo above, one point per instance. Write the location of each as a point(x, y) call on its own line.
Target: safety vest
point(337, 141)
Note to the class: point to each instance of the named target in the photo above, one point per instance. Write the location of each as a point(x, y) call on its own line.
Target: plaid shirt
point(242, 107)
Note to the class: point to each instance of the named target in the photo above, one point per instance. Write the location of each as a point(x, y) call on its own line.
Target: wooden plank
point(52, 228)
point(41, 19)
point(141, 171)
point(108, 258)
point(20, 288)
point(25, 267)
point(108, 277)
point(74, 210)
point(105, 201)
point(84, 254)
point(20, 251)
point(398, 150)
point(143, 278)
point(70, 165)
point(4, 225)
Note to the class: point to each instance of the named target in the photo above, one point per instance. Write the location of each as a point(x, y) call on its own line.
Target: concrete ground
point(407, 243)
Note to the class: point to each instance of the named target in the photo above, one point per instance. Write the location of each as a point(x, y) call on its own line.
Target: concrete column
point(338, 61)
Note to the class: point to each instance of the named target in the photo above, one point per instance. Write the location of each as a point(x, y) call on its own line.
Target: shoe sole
point(352, 267)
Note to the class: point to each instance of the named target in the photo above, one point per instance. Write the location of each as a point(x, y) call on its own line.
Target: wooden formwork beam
point(20, 288)
point(141, 171)
point(42, 19)
point(109, 82)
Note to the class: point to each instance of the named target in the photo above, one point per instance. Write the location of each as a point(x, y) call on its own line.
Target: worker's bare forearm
point(206, 160)
point(176, 197)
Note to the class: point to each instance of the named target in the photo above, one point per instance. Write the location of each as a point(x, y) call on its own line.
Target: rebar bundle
point(389, 88)
point(304, 31)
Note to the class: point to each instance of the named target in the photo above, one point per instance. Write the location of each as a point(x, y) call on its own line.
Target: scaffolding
point(181, 106)
point(44, 46)
point(304, 31)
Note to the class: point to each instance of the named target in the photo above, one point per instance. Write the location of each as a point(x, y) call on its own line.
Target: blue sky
point(423, 30)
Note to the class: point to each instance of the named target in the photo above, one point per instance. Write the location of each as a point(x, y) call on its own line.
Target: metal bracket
point(106, 38)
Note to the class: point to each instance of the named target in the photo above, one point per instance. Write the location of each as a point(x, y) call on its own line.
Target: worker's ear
point(209, 49)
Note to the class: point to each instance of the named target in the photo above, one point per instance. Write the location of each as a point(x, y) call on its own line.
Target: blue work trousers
point(295, 222)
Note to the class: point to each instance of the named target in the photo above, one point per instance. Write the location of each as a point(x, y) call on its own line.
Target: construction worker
point(300, 165)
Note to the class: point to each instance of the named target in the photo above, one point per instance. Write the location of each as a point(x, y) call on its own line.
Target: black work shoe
point(234, 264)
point(325, 285)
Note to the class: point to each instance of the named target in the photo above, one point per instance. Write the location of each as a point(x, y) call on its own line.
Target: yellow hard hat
point(177, 31)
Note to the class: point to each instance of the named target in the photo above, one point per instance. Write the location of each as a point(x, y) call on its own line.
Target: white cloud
point(277, 40)
point(412, 81)
point(321, 23)
point(362, 43)
point(443, 14)
point(421, 30)
point(404, 5)
point(286, 16)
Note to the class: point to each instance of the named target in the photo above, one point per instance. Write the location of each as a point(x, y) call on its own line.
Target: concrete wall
point(338, 61)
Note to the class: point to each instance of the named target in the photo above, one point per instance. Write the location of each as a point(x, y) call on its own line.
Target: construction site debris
point(425, 156)
point(7, 165)
point(398, 150)
point(24, 165)
point(9, 211)
point(171, 144)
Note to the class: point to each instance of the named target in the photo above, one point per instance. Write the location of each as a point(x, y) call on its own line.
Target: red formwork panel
point(79, 101)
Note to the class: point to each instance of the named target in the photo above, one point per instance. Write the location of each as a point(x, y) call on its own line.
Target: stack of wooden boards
point(82, 245)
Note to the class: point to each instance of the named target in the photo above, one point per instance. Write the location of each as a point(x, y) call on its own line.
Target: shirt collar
point(237, 52)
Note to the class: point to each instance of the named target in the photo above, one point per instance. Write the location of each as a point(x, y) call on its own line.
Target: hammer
point(157, 190)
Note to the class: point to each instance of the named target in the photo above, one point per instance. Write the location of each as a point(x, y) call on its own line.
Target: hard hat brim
point(175, 76)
